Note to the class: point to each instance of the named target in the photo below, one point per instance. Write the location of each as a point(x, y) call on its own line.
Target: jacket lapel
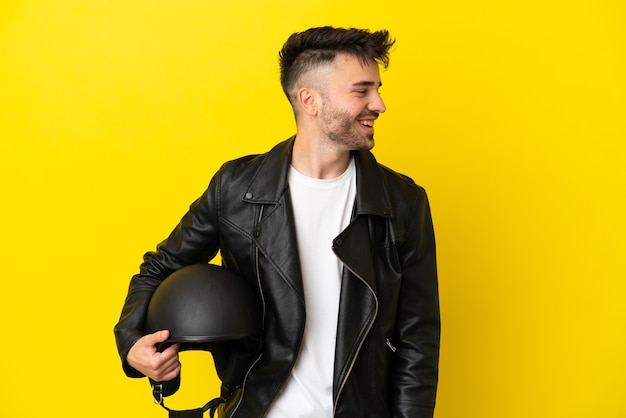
point(356, 248)
point(274, 233)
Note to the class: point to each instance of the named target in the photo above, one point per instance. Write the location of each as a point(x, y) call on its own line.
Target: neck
point(318, 159)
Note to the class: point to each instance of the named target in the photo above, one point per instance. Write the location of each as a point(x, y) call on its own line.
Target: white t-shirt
point(322, 209)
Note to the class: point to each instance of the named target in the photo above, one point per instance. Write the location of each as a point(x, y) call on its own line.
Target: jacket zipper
point(258, 278)
point(343, 383)
point(390, 345)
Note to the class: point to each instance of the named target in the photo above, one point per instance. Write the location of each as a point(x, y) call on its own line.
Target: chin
point(369, 144)
point(366, 146)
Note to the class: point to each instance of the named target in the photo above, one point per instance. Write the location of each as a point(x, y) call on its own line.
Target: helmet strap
point(157, 397)
point(192, 413)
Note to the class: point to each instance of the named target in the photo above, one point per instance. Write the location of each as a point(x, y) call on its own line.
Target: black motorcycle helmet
point(207, 307)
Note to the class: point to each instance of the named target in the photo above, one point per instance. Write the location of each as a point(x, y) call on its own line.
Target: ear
point(308, 100)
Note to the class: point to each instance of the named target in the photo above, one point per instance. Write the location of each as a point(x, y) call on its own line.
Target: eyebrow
point(365, 83)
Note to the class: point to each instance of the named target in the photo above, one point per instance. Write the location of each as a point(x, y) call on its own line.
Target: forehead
point(349, 69)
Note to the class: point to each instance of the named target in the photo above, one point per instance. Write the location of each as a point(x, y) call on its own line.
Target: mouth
point(368, 123)
point(367, 120)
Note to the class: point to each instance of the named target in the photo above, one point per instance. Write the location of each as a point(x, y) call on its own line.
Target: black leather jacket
point(387, 349)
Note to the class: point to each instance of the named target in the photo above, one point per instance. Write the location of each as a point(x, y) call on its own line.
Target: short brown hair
point(305, 50)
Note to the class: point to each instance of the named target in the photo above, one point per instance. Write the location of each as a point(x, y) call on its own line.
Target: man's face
point(351, 103)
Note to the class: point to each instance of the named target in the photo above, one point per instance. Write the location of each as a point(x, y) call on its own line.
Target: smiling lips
point(368, 120)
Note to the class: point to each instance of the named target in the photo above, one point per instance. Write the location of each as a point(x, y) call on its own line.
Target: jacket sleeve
point(414, 371)
point(194, 240)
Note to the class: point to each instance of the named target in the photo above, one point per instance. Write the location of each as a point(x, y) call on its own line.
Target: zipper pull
point(390, 345)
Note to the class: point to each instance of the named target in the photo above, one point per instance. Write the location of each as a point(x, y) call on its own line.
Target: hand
point(159, 366)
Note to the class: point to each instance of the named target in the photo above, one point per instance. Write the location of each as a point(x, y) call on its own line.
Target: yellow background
point(115, 114)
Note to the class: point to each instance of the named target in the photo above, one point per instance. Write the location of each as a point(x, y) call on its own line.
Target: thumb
point(161, 336)
point(158, 337)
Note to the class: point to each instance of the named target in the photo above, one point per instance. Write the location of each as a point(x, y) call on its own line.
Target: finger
point(172, 350)
point(168, 370)
point(169, 359)
point(164, 370)
point(165, 377)
point(157, 337)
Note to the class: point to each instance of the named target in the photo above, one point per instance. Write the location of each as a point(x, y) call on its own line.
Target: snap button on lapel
point(248, 195)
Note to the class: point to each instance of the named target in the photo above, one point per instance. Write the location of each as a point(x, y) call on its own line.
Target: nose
point(377, 104)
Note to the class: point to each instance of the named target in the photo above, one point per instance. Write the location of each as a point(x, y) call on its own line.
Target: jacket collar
point(270, 181)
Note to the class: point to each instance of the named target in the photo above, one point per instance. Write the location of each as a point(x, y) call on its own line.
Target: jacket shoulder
point(240, 165)
point(247, 166)
point(400, 185)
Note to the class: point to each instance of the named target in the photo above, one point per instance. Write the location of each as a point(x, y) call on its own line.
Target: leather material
point(191, 413)
point(387, 351)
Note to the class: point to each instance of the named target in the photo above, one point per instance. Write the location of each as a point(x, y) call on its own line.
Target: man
point(340, 249)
